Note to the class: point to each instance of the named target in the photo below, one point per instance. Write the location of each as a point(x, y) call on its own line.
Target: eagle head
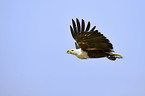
point(79, 53)
point(73, 51)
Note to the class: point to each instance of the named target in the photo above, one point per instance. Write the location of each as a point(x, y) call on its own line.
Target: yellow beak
point(69, 51)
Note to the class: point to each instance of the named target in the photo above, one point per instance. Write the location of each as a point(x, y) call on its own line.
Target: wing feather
point(93, 28)
point(88, 26)
point(74, 27)
point(72, 32)
point(78, 25)
point(89, 40)
point(83, 26)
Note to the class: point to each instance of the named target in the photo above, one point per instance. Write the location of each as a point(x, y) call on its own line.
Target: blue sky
point(35, 35)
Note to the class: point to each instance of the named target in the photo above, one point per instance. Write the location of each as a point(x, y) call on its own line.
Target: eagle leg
point(113, 56)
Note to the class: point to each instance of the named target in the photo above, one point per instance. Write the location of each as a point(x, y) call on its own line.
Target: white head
point(79, 53)
point(73, 51)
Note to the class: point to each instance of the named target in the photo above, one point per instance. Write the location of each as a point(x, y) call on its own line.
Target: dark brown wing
point(89, 39)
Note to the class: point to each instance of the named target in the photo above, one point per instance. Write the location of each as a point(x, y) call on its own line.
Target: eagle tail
point(114, 56)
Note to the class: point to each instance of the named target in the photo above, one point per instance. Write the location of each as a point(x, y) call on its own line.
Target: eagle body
point(96, 54)
point(90, 43)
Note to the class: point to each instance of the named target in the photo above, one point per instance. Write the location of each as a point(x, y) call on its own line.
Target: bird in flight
point(90, 43)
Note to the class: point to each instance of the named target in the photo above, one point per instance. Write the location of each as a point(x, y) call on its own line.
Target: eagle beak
point(69, 51)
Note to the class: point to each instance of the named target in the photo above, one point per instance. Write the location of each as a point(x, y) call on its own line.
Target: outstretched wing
point(89, 39)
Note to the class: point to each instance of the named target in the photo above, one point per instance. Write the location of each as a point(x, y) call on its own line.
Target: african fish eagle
point(90, 43)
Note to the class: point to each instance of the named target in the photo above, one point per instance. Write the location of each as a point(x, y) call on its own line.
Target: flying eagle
point(90, 43)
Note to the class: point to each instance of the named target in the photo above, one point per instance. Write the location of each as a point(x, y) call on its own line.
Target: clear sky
point(35, 35)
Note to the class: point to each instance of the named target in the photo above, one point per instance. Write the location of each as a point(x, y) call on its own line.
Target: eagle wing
point(89, 39)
